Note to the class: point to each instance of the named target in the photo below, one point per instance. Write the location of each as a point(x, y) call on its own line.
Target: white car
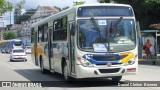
point(28, 49)
point(18, 54)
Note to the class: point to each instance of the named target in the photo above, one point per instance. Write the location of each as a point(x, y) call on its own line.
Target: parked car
point(28, 49)
point(18, 54)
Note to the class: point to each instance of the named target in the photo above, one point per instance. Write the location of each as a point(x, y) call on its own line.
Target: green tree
point(78, 3)
point(104, 1)
point(5, 6)
point(20, 5)
point(146, 11)
point(65, 8)
point(9, 35)
point(74, 4)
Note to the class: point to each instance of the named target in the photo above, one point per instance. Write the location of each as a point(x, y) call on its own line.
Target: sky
point(34, 3)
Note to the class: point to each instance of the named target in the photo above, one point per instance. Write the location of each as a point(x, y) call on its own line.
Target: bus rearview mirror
point(139, 33)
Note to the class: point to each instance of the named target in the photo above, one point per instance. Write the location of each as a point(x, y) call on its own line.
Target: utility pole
point(10, 17)
point(10, 10)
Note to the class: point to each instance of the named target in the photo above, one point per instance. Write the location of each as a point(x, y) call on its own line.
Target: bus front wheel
point(43, 70)
point(66, 72)
point(116, 78)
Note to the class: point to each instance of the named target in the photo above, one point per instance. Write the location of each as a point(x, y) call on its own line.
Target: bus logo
point(109, 64)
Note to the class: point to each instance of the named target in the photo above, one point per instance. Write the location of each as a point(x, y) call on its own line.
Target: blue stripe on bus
point(103, 62)
point(102, 59)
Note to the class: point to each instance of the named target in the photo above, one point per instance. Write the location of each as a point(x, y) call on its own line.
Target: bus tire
point(43, 70)
point(116, 78)
point(65, 72)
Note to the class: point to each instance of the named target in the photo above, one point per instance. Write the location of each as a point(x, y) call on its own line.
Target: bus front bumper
point(104, 71)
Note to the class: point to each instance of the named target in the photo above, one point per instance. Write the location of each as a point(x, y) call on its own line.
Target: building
point(44, 11)
point(14, 27)
point(40, 13)
point(17, 13)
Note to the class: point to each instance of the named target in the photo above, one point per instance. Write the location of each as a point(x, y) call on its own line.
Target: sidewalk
point(149, 62)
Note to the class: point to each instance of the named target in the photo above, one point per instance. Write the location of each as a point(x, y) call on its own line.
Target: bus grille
point(106, 57)
point(114, 70)
point(105, 64)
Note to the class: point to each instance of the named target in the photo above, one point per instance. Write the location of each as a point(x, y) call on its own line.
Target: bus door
point(50, 50)
point(35, 49)
point(71, 47)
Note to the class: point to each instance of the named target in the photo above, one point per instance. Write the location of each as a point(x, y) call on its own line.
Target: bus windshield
point(116, 34)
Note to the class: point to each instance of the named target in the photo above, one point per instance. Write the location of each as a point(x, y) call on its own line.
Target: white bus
point(87, 41)
point(7, 45)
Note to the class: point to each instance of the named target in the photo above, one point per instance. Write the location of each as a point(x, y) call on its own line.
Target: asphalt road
point(27, 71)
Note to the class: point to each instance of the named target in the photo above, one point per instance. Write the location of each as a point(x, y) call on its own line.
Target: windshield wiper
point(115, 25)
point(97, 28)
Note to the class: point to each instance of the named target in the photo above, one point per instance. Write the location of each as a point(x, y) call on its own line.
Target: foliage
point(8, 35)
point(78, 3)
point(74, 4)
point(65, 8)
point(146, 11)
point(5, 6)
point(20, 4)
point(104, 1)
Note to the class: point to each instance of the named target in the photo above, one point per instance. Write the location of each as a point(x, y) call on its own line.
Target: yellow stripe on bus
point(128, 56)
point(38, 49)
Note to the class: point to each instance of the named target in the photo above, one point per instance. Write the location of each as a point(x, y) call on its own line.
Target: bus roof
point(11, 40)
point(104, 4)
point(73, 9)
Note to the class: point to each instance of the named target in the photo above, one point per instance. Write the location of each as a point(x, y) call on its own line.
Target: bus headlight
point(131, 61)
point(85, 63)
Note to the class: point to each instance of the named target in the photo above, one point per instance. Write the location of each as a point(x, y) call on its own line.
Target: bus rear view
point(17, 44)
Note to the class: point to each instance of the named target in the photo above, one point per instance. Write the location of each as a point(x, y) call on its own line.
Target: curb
point(149, 62)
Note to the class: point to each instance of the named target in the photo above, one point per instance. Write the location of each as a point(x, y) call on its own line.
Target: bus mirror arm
point(139, 33)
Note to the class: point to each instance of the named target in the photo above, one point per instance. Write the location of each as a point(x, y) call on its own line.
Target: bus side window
point(60, 29)
point(32, 35)
point(64, 28)
point(45, 33)
point(39, 34)
point(42, 33)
